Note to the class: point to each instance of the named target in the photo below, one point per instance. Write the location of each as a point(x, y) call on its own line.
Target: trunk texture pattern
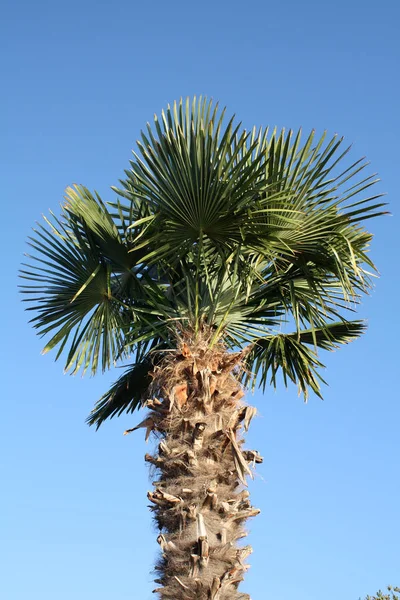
point(200, 502)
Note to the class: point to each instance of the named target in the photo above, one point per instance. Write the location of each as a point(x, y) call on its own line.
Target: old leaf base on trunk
point(199, 500)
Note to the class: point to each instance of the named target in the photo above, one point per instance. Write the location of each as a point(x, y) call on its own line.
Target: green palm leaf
point(290, 355)
point(125, 395)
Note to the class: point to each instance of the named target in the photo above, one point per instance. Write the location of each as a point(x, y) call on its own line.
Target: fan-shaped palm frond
point(88, 288)
point(291, 355)
point(73, 296)
point(125, 395)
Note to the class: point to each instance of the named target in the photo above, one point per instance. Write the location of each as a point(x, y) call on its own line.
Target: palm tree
point(227, 259)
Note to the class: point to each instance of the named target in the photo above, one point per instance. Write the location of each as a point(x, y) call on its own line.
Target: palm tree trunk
point(200, 503)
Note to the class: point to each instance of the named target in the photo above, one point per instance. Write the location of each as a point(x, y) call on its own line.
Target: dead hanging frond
point(246, 415)
point(163, 498)
point(202, 541)
point(252, 456)
point(185, 587)
point(155, 404)
point(179, 395)
point(150, 425)
point(235, 359)
point(241, 465)
point(215, 588)
point(165, 544)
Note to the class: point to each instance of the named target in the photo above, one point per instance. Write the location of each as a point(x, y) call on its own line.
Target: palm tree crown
point(255, 235)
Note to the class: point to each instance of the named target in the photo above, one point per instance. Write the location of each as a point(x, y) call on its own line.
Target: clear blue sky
point(79, 81)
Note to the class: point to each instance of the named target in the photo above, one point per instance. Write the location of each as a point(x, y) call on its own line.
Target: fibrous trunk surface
point(200, 501)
